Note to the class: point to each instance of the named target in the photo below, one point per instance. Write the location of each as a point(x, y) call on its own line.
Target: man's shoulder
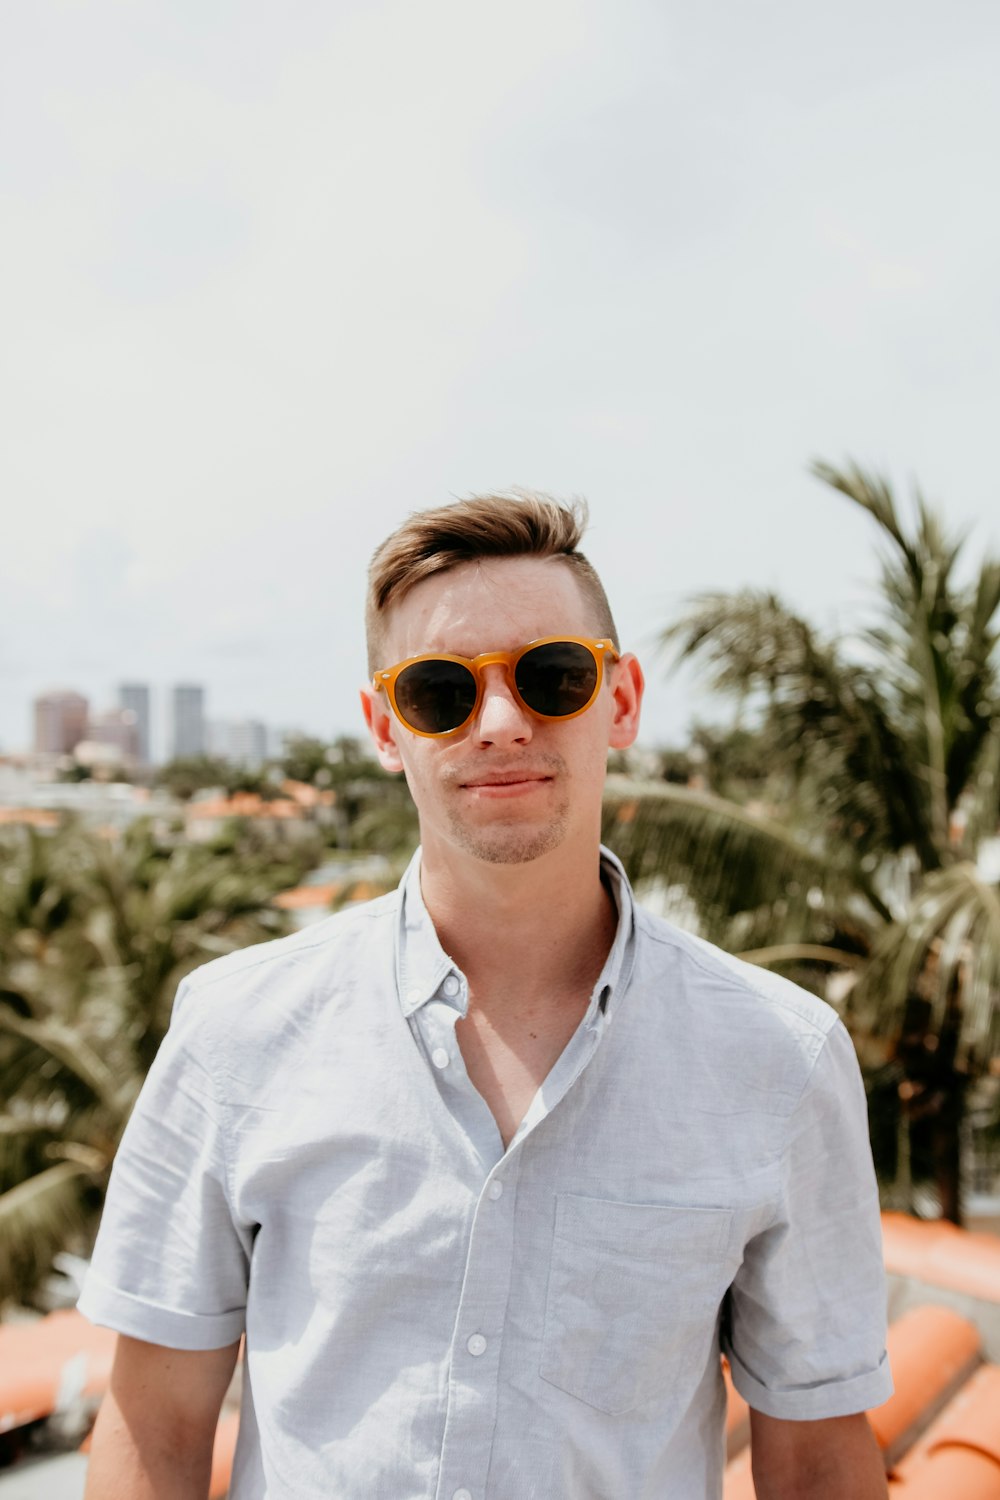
point(732, 1005)
point(357, 931)
point(257, 1020)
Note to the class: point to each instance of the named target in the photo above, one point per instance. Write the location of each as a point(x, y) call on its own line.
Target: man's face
point(508, 787)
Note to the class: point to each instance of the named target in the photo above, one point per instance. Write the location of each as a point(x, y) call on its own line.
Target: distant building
point(115, 729)
point(188, 721)
point(134, 698)
point(298, 811)
point(249, 742)
point(278, 741)
point(60, 721)
point(243, 741)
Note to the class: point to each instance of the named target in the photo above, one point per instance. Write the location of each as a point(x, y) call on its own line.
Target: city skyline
point(64, 719)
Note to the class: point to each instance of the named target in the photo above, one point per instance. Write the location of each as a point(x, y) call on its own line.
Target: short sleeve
point(170, 1265)
point(805, 1332)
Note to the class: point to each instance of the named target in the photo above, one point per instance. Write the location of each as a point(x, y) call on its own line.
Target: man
point(488, 1170)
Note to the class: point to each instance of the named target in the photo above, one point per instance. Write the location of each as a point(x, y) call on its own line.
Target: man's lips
point(510, 778)
point(482, 776)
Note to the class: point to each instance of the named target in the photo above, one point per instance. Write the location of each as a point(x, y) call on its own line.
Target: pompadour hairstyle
point(519, 524)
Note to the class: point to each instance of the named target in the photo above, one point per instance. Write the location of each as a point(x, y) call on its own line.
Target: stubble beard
point(500, 843)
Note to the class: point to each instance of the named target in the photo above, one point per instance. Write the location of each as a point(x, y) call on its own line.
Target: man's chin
point(510, 846)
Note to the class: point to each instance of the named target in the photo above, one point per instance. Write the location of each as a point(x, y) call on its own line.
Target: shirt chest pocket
point(633, 1298)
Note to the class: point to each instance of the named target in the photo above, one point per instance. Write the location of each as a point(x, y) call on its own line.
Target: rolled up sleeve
point(171, 1265)
point(805, 1334)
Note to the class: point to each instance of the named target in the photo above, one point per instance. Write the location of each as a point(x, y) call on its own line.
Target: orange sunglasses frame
point(598, 649)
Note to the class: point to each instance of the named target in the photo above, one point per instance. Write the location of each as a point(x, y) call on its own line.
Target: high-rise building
point(248, 742)
point(134, 698)
point(115, 728)
point(243, 741)
point(188, 721)
point(60, 721)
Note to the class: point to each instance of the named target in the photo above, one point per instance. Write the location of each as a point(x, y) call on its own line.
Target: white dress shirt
point(431, 1317)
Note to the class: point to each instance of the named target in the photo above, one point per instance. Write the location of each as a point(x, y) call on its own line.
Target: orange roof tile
point(932, 1351)
point(365, 890)
point(243, 805)
point(302, 897)
point(45, 1363)
point(307, 897)
point(959, 1455)
point(973, 1419)
point(37, 817)
point(738, 1481)
point(942, 1255)
point(307, 795)
point(222, 1456)
point(737, 1415)
point(957, 1474)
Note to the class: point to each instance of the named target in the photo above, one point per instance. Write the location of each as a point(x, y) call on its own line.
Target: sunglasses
point(555, 678)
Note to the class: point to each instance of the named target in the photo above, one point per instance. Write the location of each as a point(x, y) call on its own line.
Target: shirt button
point(451, 985)
point(462, 1495)
point(495, 1190)
point(476, 1345)
point(413, 994)
point(440, 1058)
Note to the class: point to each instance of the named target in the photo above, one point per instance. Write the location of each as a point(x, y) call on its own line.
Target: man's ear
point(382, 727)
point(627, 687)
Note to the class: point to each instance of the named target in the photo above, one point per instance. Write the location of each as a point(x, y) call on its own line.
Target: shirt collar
point(425, 972)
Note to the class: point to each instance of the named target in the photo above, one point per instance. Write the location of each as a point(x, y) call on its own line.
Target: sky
point(275, 276)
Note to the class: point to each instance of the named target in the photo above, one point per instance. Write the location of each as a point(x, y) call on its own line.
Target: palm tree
point(94, 939)
point(861, 853)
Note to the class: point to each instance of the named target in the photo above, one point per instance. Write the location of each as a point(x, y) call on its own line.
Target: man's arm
point(821, 1460)
point(154, 1433)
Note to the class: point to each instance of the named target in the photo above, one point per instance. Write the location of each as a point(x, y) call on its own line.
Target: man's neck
point(531, 939)
point(542, 927)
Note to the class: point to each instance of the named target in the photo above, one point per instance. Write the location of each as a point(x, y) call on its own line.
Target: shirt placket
point(474, 1376)
point(435, 997)
point(476, 1349)
point(434, 1024)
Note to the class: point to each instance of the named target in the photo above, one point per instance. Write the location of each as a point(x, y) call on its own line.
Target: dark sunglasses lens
point(557, 679)
point(435, 696)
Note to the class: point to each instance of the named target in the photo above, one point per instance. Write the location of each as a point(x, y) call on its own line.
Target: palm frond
point(794, 953)
point(872, 493)
point(953, 932)
point(981, 809)
point(749, 639)
point(825, 717)
point(730, 861)
point(985, 602)
point(38, 1217)
point(69, 1050)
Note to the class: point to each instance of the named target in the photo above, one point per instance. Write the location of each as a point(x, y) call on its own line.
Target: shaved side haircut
point(521, 524)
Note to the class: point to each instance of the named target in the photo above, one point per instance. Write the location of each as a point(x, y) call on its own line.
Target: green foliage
point(94, 938)
point(852, 843)
point(37, 1218)
point(377, 815)
point(733, 759)
point(373, 812)
point(194, 773)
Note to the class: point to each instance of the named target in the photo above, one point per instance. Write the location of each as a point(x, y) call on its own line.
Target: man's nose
point(502, 718)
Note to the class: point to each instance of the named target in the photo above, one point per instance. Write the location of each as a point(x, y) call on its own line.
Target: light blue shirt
point(430, 1317)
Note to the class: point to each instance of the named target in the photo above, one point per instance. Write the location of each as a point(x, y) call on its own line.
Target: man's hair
point(520, 524)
